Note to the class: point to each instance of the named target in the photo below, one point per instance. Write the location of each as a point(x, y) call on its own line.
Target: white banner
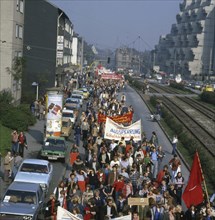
point(63, 214)
point(126, 217)
point(116, 131)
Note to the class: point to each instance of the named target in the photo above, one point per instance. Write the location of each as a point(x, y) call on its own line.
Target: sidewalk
point(34, 137)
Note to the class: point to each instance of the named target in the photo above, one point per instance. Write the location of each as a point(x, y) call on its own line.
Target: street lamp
point(37, 87)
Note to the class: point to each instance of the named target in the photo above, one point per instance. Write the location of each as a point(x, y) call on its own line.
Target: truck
point(54, 146)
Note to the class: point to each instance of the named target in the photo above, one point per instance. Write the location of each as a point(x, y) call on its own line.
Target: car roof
point(57, 138)
point(36, 161)
point(24, 186)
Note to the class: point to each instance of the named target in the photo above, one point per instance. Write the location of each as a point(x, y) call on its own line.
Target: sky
point(111, 24)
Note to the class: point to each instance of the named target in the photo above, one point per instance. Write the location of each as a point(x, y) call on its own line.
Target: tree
point(17, 68)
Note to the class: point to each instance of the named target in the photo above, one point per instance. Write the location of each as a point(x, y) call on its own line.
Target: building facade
point(11, 45)
point(189, 48)
point(47, 46)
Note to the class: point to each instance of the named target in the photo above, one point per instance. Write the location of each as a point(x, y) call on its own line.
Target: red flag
point(193, 194)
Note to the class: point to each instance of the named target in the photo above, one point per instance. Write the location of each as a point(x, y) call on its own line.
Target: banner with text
point(126, 118)
point(116, 131)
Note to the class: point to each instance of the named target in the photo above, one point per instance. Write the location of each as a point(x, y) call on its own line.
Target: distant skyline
point(112, 24)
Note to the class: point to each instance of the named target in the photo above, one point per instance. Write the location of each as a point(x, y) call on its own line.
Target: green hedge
point(16, 117)
point(177, 86)
point(208, 97)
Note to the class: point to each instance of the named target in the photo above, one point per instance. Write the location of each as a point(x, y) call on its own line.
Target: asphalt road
point(141, 112)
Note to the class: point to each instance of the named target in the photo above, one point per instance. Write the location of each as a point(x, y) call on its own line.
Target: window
point(20, 6)
point(19, 31)
point(18, 53)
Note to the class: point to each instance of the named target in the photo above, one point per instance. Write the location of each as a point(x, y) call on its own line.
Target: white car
point(67, 113)
point(79, 97)
point(35, 171)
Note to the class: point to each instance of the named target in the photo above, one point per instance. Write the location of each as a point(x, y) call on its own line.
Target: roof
point(55, 137)
point(35, 161)
point(24, 186)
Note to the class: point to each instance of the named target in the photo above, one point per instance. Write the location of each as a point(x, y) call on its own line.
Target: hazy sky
point(111, 24)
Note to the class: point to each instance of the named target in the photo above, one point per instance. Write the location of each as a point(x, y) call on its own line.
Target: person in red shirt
point(161, 174)
point(117, 187)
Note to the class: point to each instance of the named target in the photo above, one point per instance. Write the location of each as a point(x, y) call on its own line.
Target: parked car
point(79, 97)
point(72, 115)
point(66, 129)
point(72, 103)
point(86, 94)
point(24, 200)
point(54, 148)
point(35, 171)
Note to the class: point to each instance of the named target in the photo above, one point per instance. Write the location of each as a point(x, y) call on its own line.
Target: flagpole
point(206, 190)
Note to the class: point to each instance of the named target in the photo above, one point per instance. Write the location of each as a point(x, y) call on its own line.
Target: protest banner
point(114, 131)
point(126, 118)
point(63, 214)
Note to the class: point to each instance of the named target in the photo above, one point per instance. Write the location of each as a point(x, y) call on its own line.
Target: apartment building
point(189, 48)
point(11, 45)
point(47, 46)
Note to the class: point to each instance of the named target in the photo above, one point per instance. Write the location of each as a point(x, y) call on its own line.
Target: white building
point(189, 48)
point(11, 43)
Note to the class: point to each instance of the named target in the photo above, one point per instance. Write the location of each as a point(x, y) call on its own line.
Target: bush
point(177, 86)
point(29, 117)
point(208, 97)
point(18, 118)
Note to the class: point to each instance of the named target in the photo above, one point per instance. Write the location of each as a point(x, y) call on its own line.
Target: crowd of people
point(110, 171)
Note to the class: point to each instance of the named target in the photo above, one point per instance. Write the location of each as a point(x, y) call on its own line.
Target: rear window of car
point(15, 196)
point(34, 168)
point(68, 115)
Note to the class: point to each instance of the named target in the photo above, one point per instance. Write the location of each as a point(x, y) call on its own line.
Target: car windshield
point(76, 96)
point(68, 115)
point(16, 196)
point(34, 168)
point(55, 142)
point(71, 101)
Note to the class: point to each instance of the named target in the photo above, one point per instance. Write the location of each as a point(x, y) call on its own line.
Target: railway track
point(200, 133)
point(208, 112)
point(164, 89)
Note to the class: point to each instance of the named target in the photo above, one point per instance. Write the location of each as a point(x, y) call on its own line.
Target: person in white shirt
point(114, 162)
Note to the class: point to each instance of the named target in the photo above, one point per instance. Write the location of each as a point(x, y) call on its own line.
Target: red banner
point(126, 118)
point(112, 76)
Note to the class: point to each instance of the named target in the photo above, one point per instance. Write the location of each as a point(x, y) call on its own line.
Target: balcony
point(199, 27)
point(187, 16)
point(178, 18)
point(182, 6)
point(174, 29)
point(183, 29)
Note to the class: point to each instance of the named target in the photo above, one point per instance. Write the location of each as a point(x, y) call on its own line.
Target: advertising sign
point(54, 114)
point(126, 118)
point(114, 131)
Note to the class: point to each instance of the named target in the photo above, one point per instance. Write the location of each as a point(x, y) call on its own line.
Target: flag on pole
point(193, 194)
